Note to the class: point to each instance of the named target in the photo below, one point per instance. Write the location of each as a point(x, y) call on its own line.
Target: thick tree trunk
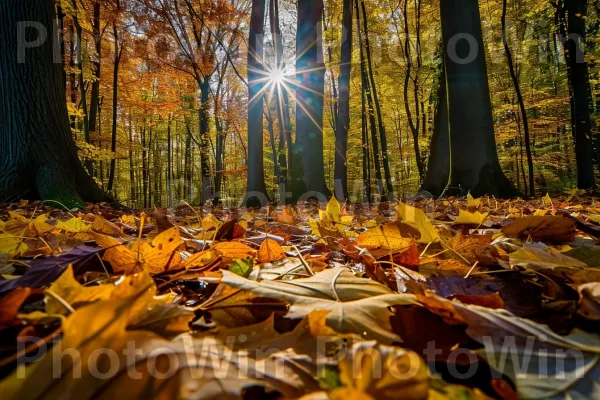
point(515, 80)
point(577, 72)
point(38, 157)
point(256, 192)
point(474, 159)
point(343, 106)
point(438, 166)
point(309, 174)
point(381, 125)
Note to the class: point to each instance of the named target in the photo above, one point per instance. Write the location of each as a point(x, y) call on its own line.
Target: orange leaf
point(270, 250)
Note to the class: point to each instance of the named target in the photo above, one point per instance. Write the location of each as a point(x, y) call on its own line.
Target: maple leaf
point(469, 218)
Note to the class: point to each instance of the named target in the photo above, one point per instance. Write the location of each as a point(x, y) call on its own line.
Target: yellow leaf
point(12, 245)
point(39, 226)
point(468, 218)
point(118, 255)
point(233, 249)
point(74, 225)
point(386, 236)
point(73, 293)
point(416, 218)
point(128, 220)
point(269, 251)
point(101, 225)
point(333, 210)
point(472, 202)
point(547, 200)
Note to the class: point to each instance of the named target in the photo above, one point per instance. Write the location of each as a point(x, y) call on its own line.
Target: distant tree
point(38, 157)
point(474, 164)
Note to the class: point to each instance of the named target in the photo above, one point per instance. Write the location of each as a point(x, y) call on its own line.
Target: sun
point(277, 76)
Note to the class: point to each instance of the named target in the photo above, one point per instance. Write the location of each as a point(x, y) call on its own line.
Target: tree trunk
point(133, 191)
point(438, 166)
point(82, 89)
point(474, 159)
point(204, 116)
point(366, 88)
point(309, 169)
point(256, 192)
point(95, 94)
point(577, 72)
point(38, 157)
point(283, 112)
point(381, 125)
point(343, 107)
point(515, 80)
point(115, 104)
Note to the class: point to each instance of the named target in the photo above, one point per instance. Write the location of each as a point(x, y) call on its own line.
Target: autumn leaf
point(389, 236)
point(242, 267)
point(233, 250)
point(472, 202)
point(469, 218)
point(269, 251)
point(552, 228)
point(12, 245)
point(355, 305)
point(418, 219)
point(402, 373)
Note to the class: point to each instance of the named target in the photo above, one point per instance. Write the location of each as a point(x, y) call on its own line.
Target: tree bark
point(256, 191)
point(115, 105)
point(438, 166)
point(38, 157)
point(95, 94)
point(577, 73)
point(381, 125)
point(343, 107)
point(474, 158)
point(309, 169)
point(515, 80)
point(366, 88)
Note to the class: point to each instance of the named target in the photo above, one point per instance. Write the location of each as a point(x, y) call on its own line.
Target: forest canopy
point(278, 100)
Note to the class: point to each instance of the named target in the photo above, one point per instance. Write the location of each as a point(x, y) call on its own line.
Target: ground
point(452, 298)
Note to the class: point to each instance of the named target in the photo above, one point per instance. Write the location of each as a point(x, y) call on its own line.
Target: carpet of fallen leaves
point(457, 298)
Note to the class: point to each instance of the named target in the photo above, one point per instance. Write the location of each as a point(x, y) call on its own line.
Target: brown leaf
point(552, 228)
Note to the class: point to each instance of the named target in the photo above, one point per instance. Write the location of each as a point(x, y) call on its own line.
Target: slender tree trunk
point(82, 89)
point(343, 106)
point(95, 94)
point(474, 158)
point(133, 191)
point(187, 166)
point(414, 127)
point(515, 80)
point(309, 169)
point(115, 106)
point(366, 87)
point(256, 190)
point(38, 157)
point(203, 118)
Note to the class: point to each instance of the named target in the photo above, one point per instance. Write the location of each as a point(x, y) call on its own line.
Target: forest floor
point(456, 298)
